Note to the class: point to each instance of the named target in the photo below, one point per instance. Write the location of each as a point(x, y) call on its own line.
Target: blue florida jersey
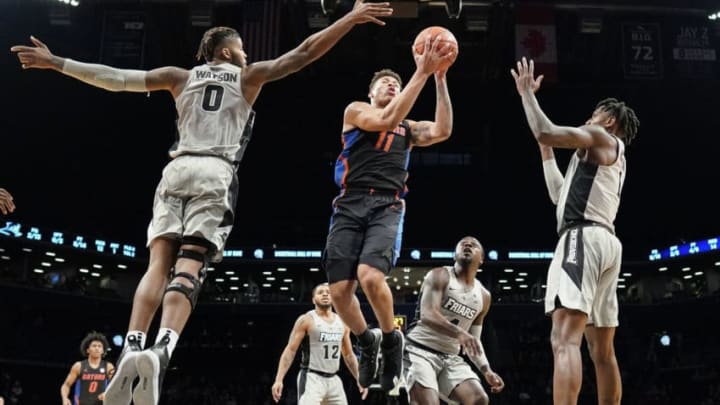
point(90, 383)
point(374, 160)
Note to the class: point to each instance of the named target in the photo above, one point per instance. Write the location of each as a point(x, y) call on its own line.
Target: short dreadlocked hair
point(211, 39)
point(93, 337)
point(628, 122)
point(383, 73)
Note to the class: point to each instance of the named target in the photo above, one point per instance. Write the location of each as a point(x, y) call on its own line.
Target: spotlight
point(415, 254)
point(258, 253)
point(453, 8)
point(117, 340)
point(55, 279)
point(665, 340)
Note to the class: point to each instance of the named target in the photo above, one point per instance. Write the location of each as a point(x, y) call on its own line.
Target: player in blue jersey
point(89, 376)
point(366, 224)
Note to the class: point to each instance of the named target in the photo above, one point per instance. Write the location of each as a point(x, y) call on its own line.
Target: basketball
point(446, 38)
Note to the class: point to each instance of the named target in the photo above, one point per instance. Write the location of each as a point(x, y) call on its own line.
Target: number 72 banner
point(642, 51)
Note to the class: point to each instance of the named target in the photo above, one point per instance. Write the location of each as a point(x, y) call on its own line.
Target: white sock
point(140, 336)
point(172, 338)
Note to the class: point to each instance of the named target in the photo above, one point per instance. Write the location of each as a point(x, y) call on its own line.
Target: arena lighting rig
point(685, 249)
point(74, 240)
point(67, 239)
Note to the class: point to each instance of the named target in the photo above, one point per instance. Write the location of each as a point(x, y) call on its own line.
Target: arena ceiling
point(659, 5)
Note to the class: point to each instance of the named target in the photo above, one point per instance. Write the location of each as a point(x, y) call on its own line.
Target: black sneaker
point(368, 364)
point(151, 365)
point(392, 358)
point(119, 391)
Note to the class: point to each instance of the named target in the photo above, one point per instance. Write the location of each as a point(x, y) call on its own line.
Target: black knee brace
point(191, 293)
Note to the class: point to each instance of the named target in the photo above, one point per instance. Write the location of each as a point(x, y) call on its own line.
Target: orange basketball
point(446, 38)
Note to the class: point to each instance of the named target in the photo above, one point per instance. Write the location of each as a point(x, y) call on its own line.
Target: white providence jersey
point(322, 348)
point(213, 114)
point(591, 192)
point(460, 306)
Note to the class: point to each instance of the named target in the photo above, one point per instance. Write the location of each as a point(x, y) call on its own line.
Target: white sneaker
point(151, 365)
point(119, 391)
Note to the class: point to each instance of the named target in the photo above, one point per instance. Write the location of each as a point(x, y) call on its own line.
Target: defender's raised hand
point(369, 12)
point(525, 76)
point(38, 56)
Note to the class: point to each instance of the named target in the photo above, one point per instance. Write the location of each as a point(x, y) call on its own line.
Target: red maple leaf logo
point(535, 43)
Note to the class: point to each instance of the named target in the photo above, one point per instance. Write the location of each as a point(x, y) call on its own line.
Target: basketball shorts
point(366, 229)
point(314, 389)
point(195, 197)
point(584, 272)
point(438, 371)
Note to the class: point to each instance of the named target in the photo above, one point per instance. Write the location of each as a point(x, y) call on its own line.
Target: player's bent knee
point(342, 290)
point(190, 292)
point(371, 278)
point(481, 398)
point(381, 263)
point(191, 285)
point(603, 358)
point(477, 398)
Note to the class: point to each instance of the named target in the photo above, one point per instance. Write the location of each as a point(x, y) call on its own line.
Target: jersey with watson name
point(591, 192)
point(321, 347)
point(374, 160)
point(460, 306)
point(213, 113)
point(90, 383)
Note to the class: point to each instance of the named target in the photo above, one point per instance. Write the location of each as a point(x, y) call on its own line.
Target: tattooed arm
point(425, 133)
